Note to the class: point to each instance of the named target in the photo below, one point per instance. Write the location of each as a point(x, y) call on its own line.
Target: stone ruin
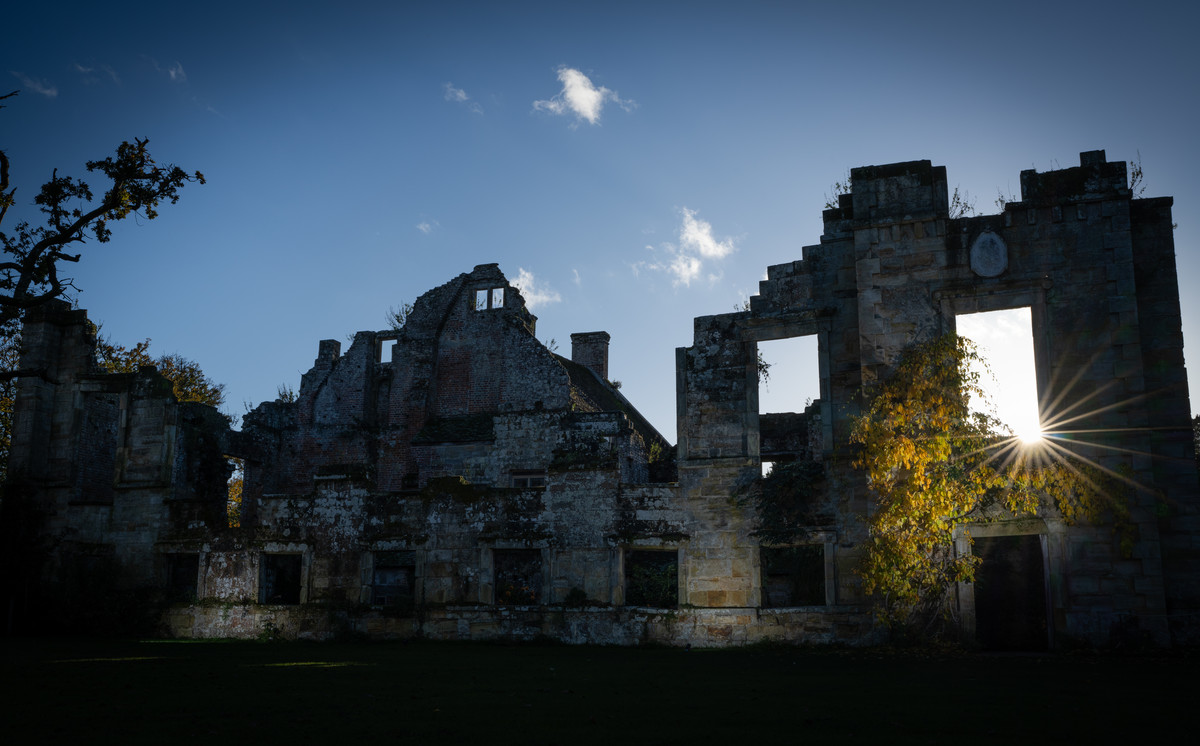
point(478, 485)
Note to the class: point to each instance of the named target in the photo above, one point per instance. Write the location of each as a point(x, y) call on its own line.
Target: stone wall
point(1095, 266)
point(476, 485)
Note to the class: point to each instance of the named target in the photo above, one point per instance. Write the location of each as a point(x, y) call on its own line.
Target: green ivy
point(786, 500)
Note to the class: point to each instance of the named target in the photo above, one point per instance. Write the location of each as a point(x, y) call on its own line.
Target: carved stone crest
point(989, 255)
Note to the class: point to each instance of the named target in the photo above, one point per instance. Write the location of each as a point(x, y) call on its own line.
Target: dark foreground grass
point(100, 691)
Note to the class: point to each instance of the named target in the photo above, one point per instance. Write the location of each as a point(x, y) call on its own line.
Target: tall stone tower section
point(1096, 269)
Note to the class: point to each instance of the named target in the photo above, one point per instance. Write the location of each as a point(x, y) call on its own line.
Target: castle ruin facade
point(456, 479)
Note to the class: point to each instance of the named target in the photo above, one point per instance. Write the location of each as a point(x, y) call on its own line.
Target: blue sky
point(642, 162)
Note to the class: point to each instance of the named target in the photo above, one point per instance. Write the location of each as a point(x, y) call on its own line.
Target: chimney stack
point(590, 349)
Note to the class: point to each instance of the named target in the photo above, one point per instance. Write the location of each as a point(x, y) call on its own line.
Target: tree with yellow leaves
point(933, 465)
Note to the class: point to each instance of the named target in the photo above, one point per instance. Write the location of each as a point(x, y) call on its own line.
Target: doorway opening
point(1010, 593)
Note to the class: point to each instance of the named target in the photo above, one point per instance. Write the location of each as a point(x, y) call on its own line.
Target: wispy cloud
point(37, 85)
point(427, 226)
point(694, 255)
point(579, 96)
point(577, 280)
point(92, 73)
point(535, 293)
point(208, 108)
point(174, 73)
point(459, 96)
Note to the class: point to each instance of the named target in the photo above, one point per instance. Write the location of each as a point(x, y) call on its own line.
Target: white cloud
point(427, 226)
point(580, 97)
point(696, 235)
point(685, 262)
point(459, 96)
point(36, 85)
point(577, 280)
point(535, 293)
point(685, 268)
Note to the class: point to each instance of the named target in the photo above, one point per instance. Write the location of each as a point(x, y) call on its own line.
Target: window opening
point(793, 576)
point(385, 349)
point(1005, 341)
point(393, 582)
point(280, 579)
point(652, 578)
point(233, 497)
point(488, 298)
point(183, 571)
point(789, 377)
point(518, 576)
point(529, 478)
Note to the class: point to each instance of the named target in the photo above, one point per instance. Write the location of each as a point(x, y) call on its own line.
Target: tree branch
point(137, 186)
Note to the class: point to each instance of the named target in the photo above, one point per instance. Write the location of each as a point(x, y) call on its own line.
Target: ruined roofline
point(426, 322)
point(916, 190)
point(608, 398)
point(433, 308)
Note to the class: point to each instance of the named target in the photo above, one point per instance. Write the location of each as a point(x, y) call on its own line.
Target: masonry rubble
point(478, 485)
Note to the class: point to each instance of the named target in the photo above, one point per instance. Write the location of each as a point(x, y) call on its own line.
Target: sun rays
point(1071, 419)
point(1054, 443)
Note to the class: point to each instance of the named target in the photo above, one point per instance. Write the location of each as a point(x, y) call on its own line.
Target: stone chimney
point(590, 349)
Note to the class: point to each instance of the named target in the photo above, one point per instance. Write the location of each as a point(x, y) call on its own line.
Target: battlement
point(1093, 179)
point(913, 190)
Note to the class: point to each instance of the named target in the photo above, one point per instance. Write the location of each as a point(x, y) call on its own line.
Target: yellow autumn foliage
point(933, 465)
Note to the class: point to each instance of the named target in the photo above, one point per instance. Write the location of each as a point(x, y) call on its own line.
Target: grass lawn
point(171, 692)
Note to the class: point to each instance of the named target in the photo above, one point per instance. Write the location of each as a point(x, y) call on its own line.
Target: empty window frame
point(393, 579)
point(281, 578)
point(793, 576)
point(233, 495)
point(789, 377)
point(518, 576)
point(183, 572)
point(488, 298)
point(1004, 340)
point(385, 343)
point(529, 479)
point(652, 578)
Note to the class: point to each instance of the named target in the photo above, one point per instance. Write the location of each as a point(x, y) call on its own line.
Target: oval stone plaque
point(989, 255)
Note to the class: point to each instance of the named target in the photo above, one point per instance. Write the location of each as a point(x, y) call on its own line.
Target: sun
point(1009, 378)
point(1026, 421)
point(1031, 435)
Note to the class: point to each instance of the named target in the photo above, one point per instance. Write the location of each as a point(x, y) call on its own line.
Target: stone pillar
point(56, 349)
